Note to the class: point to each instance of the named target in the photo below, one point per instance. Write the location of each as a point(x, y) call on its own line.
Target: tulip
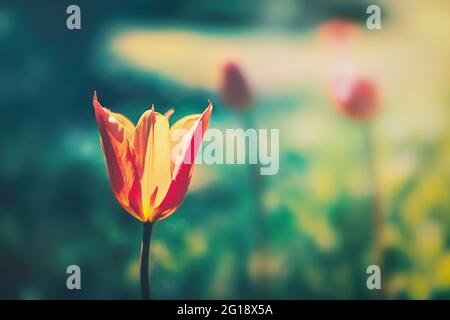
point(355, 96)
point(234, 88)
point(237, 95)
point(338, 32)
point(148, 180)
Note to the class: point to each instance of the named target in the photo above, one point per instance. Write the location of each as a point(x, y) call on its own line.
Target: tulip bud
point(234, 88)
point(355, 96)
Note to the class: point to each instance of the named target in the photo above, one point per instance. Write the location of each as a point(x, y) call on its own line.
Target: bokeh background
point(304, 233)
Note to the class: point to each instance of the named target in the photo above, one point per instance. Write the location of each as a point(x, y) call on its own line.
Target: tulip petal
point(195, 126)
point(127, 125)
point(152, 145)
point(120, 158)
point(178, 132)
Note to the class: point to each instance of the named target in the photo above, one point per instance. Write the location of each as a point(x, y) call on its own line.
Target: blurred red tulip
point(355, 96)
point(234, 88)
point(338, 31)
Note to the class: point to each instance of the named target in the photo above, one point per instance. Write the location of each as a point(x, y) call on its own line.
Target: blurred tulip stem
point(260, 225)
point(145, 252)
point(377, 212)
point(256, 182)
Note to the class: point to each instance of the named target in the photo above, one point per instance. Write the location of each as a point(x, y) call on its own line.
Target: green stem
point(376, 205)
point(377, 211)
point(256, 183)
point(145, 252)
point(260, 223)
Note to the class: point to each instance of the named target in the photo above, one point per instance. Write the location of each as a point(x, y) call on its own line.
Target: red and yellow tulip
point(149, 165)
point(144, 178)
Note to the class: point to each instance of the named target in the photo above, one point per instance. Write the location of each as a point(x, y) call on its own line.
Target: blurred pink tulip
point(355, 96)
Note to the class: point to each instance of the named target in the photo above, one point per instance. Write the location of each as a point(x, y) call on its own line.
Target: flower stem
point(145, 252)
point(377, 210)
point(259, 223)
point(376, 205)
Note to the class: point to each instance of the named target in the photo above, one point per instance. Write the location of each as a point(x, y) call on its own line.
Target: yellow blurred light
point(197, 243)
point(133, 270)
point(443, 271)
point(162, 255)
point(318, 228)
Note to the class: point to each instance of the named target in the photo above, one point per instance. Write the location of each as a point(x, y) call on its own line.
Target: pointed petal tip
point(210, 105)
point(94, 98)
point(97, 105)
